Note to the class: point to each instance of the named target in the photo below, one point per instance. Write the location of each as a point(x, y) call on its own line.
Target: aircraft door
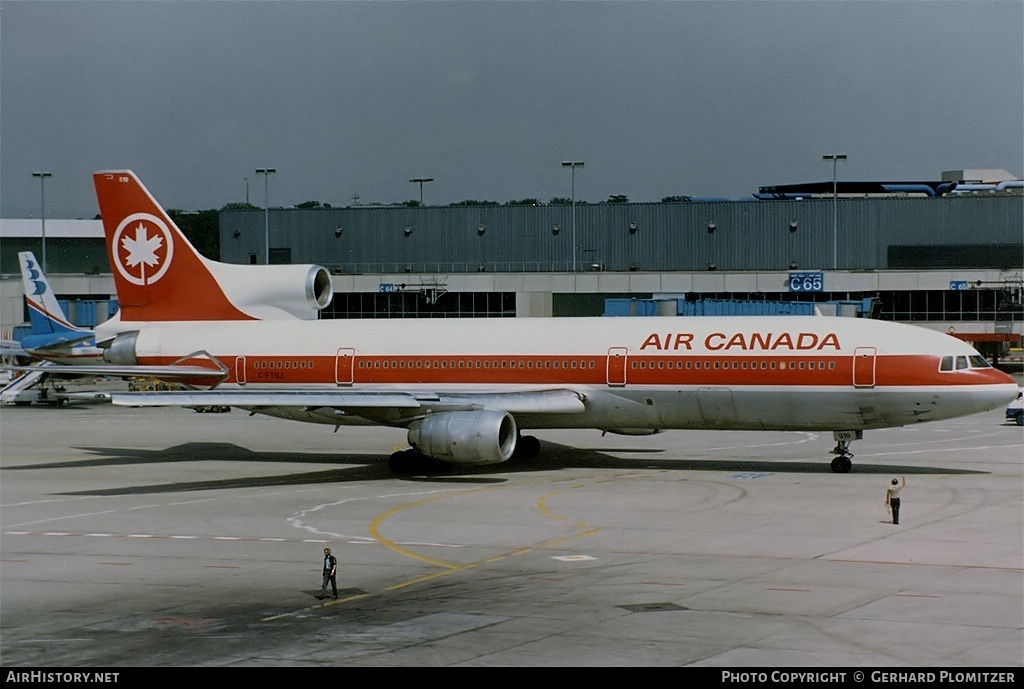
point(616, 366)
point(344, 366)
point(240, 370)
point(864, 367)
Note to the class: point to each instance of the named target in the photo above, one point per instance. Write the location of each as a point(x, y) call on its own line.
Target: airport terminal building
point(948, 255)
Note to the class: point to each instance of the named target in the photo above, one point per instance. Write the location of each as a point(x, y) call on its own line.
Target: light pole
point(266, 172)
point(42, 208)
point(573, 164)
point(421, 180)
point(835, 158)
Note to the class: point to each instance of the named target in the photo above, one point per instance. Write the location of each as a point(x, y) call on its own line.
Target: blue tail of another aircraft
point(52, 335)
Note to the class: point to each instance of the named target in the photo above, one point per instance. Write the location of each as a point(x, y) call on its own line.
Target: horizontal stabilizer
point(160, 372)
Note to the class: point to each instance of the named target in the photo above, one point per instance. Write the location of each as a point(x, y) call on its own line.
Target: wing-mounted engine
point(465, 437)
point(276, 291)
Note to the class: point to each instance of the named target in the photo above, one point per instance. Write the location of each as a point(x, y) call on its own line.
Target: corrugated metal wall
point(733, 235)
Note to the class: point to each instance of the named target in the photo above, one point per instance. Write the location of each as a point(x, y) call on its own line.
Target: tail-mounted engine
point(465, 437)
point(268, 292)
point(121, 351)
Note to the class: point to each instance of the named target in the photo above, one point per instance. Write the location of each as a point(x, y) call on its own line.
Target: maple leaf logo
point(144, 249)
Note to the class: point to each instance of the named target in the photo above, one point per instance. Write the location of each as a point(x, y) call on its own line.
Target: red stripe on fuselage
point(653, 370)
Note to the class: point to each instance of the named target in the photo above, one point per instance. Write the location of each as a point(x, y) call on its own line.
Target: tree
point(471, 202)
point(201, 228)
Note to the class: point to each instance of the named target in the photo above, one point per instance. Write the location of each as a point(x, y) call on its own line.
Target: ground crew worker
point(892, 498)
point(330, 574)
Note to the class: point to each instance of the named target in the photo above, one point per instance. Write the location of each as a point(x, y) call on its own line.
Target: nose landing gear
point(842, 463)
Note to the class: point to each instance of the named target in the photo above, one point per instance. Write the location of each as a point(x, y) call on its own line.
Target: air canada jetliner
point(466, 389)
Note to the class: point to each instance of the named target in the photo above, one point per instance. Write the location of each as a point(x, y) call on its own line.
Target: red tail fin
point(158, 274)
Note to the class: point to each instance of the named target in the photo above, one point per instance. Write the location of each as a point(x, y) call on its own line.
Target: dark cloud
point(346, 98)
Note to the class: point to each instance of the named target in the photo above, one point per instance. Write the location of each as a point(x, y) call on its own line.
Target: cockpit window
point(959, 363)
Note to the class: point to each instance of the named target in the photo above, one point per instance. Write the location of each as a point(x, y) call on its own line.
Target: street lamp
point(573, 165)
point(835, 158)
point(266, 172)
point(42, 208)
point(421, 180)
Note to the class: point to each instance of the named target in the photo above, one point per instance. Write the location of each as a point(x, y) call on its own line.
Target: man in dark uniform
point(330, 574)
point(892, 498)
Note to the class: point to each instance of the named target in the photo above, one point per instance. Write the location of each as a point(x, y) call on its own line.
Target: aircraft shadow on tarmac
point(362, 467)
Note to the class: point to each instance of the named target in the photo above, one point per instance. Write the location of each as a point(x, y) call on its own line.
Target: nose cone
point(995, 390)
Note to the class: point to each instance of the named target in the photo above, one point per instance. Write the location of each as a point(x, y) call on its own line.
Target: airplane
point(52, 337)
point(467, 389)
point(52, 340)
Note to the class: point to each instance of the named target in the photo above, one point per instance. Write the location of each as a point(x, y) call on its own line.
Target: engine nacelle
point(265, 292)
point(121, 351)
point(465, 437)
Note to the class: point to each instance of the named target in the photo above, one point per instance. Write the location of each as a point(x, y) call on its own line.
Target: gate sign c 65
point(806, 282)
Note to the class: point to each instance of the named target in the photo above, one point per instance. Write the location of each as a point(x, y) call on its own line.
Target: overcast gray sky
point(488, 98)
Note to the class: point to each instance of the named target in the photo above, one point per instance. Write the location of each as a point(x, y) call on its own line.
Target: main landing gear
point(410, 462)
point(843, 461)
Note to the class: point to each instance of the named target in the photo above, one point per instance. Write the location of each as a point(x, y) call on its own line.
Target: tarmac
point(137, 538)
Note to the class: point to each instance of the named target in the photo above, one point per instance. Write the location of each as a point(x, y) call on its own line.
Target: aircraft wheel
point(403, 462)
point(527, 446)
point(412, 462)
point(841, 465)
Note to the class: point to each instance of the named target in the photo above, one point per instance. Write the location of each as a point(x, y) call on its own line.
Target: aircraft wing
point(557, 401)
